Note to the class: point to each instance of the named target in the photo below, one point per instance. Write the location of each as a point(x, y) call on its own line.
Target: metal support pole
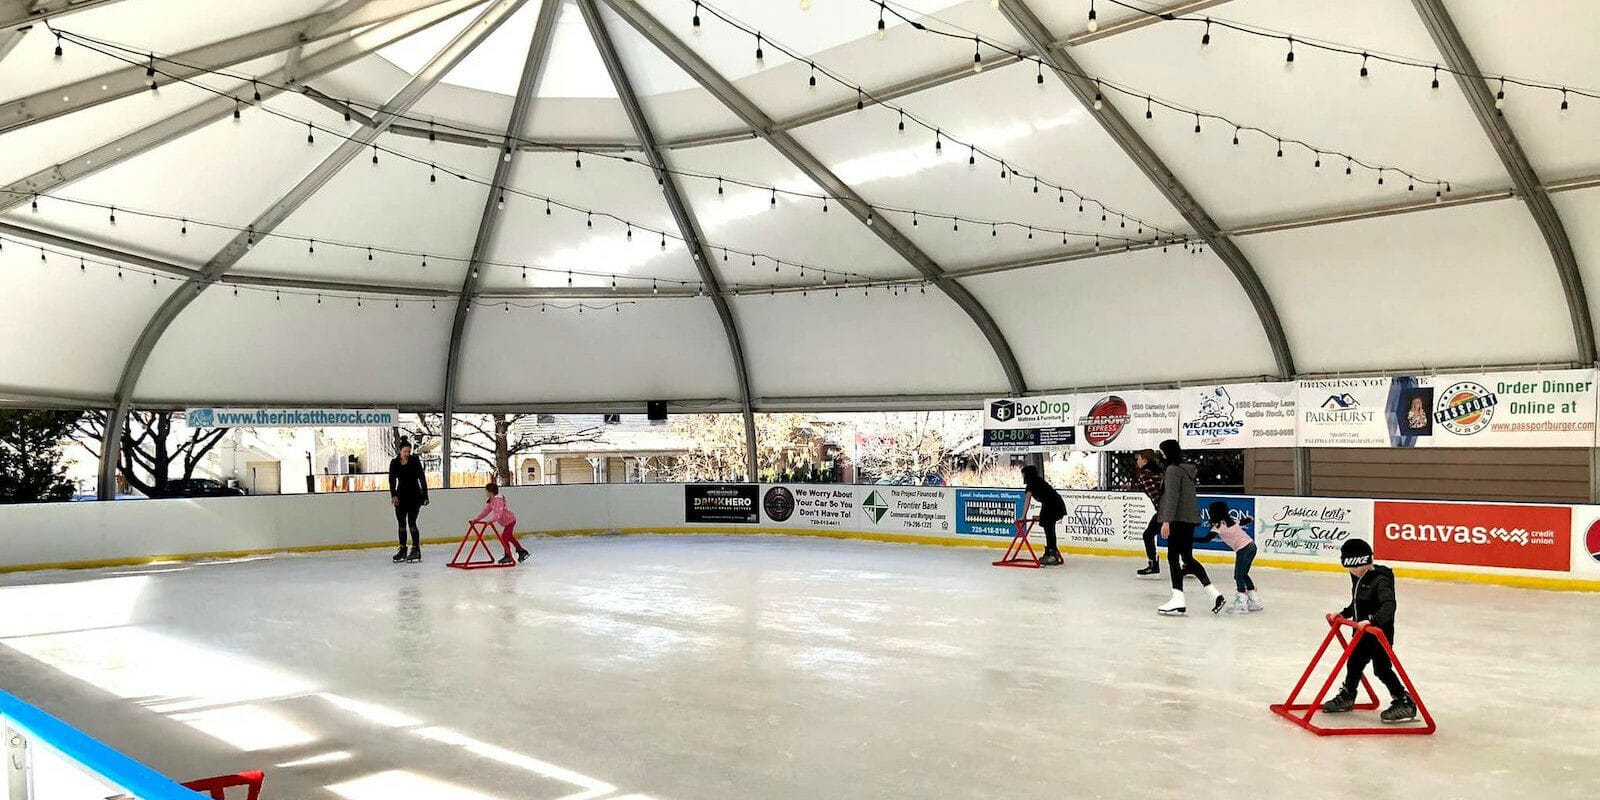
point(19, 766)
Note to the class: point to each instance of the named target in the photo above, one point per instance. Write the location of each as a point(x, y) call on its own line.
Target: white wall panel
point(1142, 316)
point(1449, 288)
point(796, 229)
point(563, 239)
point(225, 172)
point(159, 26)
point(1041, 129)
point(673, 101)
point(1580, 213)
point(252, 348)
point(41, 145)
point(1390, 118)
point(1550, 41)
point(66, 330)
point(821, 345)
point(392, 204)
point(653, 349)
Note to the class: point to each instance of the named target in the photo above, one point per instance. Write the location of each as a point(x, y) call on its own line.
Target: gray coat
point(1178, 501)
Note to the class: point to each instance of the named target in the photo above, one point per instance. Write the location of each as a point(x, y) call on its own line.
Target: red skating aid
point(1290, 710)
point(474, 536)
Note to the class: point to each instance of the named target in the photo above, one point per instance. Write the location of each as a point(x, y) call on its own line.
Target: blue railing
point(97, 759)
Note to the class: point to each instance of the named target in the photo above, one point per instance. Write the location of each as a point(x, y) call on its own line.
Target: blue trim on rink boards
point(115, 768)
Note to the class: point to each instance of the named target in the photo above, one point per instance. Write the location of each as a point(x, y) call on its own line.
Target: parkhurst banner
point(1237, 415)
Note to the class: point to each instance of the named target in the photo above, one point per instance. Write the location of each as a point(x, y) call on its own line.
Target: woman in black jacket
point(408, 493)
point(1051, 511)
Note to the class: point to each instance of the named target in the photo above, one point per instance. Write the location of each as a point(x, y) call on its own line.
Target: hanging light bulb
point(1363, 65)
point(1436, 77)
point(310, 135)
point(696, 22)
point(1289, 59)
point(255, 90)
point(1149, 109)
point(1500, 96)
point(1206, 39)
point(813, 80)
point(977, 57)
point(759, 55)
point(500, 204)
point(1563, 99)
point(58, 45)
point(1040, 74)
point(1094, 24)
point(882, 32)
point(505, 155)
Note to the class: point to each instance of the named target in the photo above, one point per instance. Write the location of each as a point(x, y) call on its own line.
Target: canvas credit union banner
point(1474, 534)
point(1237, 415)
point(1030, 424)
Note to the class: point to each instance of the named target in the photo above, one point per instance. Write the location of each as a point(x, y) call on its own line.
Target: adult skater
point(1179, 511)
point(1052, 509)
point(408, 493)
point(1147, 479)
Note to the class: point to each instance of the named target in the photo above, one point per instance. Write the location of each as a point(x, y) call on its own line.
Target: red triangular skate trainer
point(475, 531)
point(1290, 710)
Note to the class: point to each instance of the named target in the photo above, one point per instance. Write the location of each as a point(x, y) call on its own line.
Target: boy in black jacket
point(1371, 604)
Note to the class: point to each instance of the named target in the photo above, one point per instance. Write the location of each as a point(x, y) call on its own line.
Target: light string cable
point(1152, 102)
point(1369, 55)
point(150, 61)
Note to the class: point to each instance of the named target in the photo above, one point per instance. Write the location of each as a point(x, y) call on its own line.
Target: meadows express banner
point(1554, 408)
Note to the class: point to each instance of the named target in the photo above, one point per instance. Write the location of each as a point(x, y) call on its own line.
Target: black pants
point(1049, 525)
point(1368, 651)
point(405, 515)
point(1180, 555)
point(1151, 531)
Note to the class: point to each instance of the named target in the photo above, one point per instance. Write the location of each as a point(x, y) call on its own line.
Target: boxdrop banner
point(721, 503)
point(1030, 424)
point(1310, 529)
point(291, 417)
point(1474, 534)
point(1131, 420)
point(1237, 415)
point(989, 512)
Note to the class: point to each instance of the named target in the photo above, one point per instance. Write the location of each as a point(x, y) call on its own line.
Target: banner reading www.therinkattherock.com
point(291, 417)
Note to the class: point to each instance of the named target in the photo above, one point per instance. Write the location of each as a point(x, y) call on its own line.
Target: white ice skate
point(1173, 607)
point(1253, 601)
point(1240, 605)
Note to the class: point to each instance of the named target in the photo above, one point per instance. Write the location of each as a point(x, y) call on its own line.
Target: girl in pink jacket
point(497, 513)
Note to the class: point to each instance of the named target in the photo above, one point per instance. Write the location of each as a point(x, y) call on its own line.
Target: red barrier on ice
point(1290, 710)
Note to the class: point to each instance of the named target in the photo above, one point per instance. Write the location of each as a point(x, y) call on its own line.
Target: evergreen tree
point(30, 455)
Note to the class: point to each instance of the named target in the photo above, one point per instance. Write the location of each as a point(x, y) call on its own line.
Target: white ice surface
point(690, 668)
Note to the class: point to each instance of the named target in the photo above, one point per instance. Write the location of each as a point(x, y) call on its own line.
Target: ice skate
point(1401, 710)
point(1051, 558)
point(1344, 701)
point(1152, 570)
point(400, 555)
point(415, 554)
point(1173, 607)
point(1253, 601)
point(522, 555)
point(1240, 605)
point(506, 559)
point(1217, 600)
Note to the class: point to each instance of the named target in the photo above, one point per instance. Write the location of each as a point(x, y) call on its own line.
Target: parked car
point(198, 487)
point(131, 494)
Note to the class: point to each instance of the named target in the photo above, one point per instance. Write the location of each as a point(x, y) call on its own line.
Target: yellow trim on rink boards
point(1518, 581)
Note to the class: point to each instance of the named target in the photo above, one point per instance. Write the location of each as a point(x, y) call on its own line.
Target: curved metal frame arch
point(725, 92)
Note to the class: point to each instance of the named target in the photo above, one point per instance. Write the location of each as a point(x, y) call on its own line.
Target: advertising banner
point(1237, 415)
point(1131, 420)
point(291, 417)
point(1474, 534)
point(805, 505)
point(1586, 542)
point(1310, 529)
point(1030, 424)
point(989, 512)
point(906, 509)
point(1240, 508)
point(1347, 412)
point(1104, 519)
point(1509, 409)
point(721, 502)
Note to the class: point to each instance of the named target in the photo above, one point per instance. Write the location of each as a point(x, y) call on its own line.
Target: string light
point(1094, 24)
point(696, 23)
point(1206, 39)
point(882, 33)
point(977, 57)
point(1289, 59)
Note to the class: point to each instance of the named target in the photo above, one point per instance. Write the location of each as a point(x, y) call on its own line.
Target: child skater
point(1147, 479)
point(496, 512)
point(1052, 509)
point(1371, 605)
point(1244, 552)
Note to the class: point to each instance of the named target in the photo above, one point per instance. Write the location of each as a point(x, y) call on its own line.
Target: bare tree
point(495, 440)
point(150, 447)
point(784, 442)
point(910, 447)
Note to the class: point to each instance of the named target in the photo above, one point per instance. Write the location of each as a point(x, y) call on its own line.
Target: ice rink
point(697, 667)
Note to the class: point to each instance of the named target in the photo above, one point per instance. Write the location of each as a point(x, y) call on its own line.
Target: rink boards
point(1547, 546)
